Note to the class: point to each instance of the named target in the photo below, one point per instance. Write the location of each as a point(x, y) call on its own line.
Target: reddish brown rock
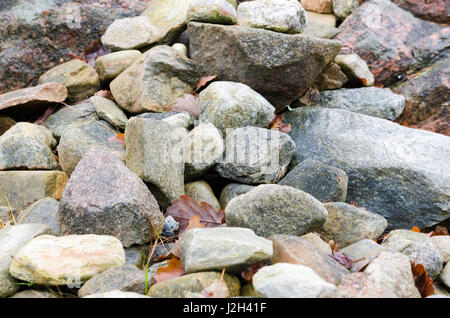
point(434, 10)
point(391, 40)
point(320, 6)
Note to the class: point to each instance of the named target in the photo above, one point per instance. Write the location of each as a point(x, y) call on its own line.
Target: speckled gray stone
point(212, 11)
point(362, 253)
point(445, 275)
point(43, 211)
point(274, 209)
point(343, 8)
point(109, 111)
point(109, 66)
point(231, 191)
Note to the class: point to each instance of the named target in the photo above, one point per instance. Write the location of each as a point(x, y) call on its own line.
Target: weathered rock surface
point(347, 224)
point(281, 67)
point(19, 188)
point(372, 101)
point(154, 153)
point(212, 11)
point(109, 111)
point(184, 286)
point(445, 275)
point(436, 11)
point(12, 239)
point(202, 191)
point(154, 81)
point(124, 278)
point(320, 30)
point(322, 181)
point(109, 66)
point(73, 259)
point(274, 209)
point(43, 211)
point(104, 197)
point(256, 155)
point(315, 239)
point(223, 247)
point(394, 171)
point(362, 253)
point(319, 6)
point(76, 140)
point(355, 68)
point(6, 122)
point(233, 105)
point(80, 79)
point(295, 250)
point(418, 247)
point(443, 244)
point(291, 281)
point(277, 15)
point(331, 78)
point(231, 191)
point(343, 8)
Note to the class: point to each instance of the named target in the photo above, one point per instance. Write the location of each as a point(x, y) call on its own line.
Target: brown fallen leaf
point(423, 283)
point(173, 270)
point(203, 81)
point(247, 275)
point(185, 208)
point(119, 138)
point(186, 103)
point(440, 230)
point(277, 124)
point(345, 261)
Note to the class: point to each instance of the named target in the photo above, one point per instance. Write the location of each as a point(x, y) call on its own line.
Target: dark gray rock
point(397, 172)
point(322, 181)
point(104, 197)
point(231, 191)
point(43, 211)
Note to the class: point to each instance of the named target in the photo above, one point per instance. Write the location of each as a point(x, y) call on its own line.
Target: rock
point(372, 101)
point(418, 247)
point(281, 67)
point(233, 105)
point(29, 130)
point(76, 140)
point(355, 68)
point(6, 123)
point(32, 99)
point(104, 197)
point(343, 8)
point(74, 259)
point(66, 116)
point(204, 147)
point(256, 155)
point(347, 224)
point(324, 19)
point(362, 253)
point(440, 290)
point(331, 78)
point(180, 119)
point(109, 66)
point(212, 11)
point(443, 244)
point(231, 191)
point(223, 247)
point(202, 192)
point(296, 250)
point(274, 209)
point(180, 47)
point(32, 293)
point(320, 30)
point(7, 215)
point(389, 56)
point(80, 79)
point(126, 279)
point(109, 111)
point(170, 16)
point(19, 188)
point(12, 239)
point(33, 42)
point(318, 242)
point(324, 182)
point(319, 6)
point(291, 281)
point(155, 80)
point(131, 33)
point(183, 286)
point(117, 294)
point(153, 153)
point(170, 227)
point(249, 291)
point(436, 11)
point(283, 16)
point(394, 171)
point(43, 211)
point(445, 275)
point(135, 256)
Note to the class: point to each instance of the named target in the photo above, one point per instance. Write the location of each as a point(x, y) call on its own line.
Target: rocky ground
point(223, 148)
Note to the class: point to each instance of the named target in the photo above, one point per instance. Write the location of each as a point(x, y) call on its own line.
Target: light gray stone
point(362, 253)
point(43, 211)
point(445, 275)
point(202, 192)
point(355, 68)
point(343, 8)
point(318, 242)
point(109, 111)
point(443, 244)
point(212, 11)
point(109, 66)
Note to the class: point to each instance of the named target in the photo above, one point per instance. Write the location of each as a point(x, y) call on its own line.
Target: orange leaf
point(440, 230)
point(186, 103)
point(119, 138)
point(247, 275)
point(423, 283)
point(277, 124)
point(203, 81)
point(415, 229)
point(173, 270)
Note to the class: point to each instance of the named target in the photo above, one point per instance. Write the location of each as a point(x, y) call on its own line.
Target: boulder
point(355, 68)
point(443, 244)
point(319, 6)
point(109, 66)
point(212, 11)
point(316, 240)
point(6, 123)
point(343, 8)
point(231, 191)
point(43, 211)
point(202, 192)
point(445, 275)
point(109, 111)
point(436, 11)
point(331, 78)
point(362, 253)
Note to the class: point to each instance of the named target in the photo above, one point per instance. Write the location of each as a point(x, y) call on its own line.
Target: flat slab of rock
point(418, 247)
point(256, 155)
point(231, 248)
point(104, 197)
point(12, 239)
point(291, 281)
point(322, 181)
point(362, 253)
point(154, 81)
point(296, 250)
point(50, 260)
point(397, 172)
point(19, 188)
point(43, 211)
point(109, 66)
point(372, 101)
point(273, 209)
point(231, 191)
point(109, 111)
point(184, 286)
point(80, 79)
point(281, 67)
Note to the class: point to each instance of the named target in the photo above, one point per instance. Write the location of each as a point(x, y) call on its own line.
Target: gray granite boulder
point(43, 211)
point(231, 191)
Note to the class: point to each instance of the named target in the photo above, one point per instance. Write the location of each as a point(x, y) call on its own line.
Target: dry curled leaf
point(119, 138)
point(248, 274)
point(440, 230)
point(277, 124)
point(203, 81)
point(423, 283)
point(186, 103)
point(185, 208)
point(345, 261)
point(173, 270)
